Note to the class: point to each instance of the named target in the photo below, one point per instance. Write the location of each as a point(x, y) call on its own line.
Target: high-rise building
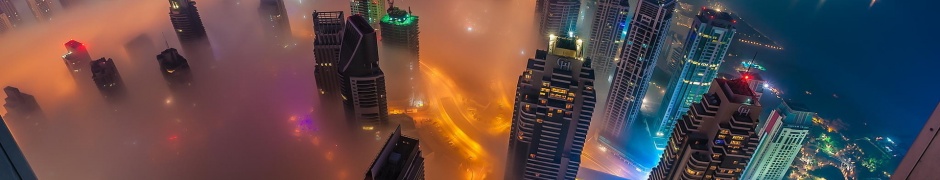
point(67, 4)
point(716, 138)
point(555, 98)
point(20, 105)
point(780, 141)
point(175, 69)
point(5, 23)
point(189, 29)
point(77, 60)
point(9, 10)
point(636, 63)
point(558, 17)
point(372, 10)
point(923, 158)
point(13, 164)
point(276, 24)
point(328, 28)
point(42, 9)
point(363, 82)
point(705, 48)
point(400, 159)
point(142, 47)
point(400, 39)
point(607, 33)
point(107, 79)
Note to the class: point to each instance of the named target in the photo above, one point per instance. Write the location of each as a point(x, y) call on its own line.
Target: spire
point(751, 65)
point(164, 40)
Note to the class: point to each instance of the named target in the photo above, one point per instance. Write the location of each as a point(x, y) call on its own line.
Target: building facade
point(175, 70)
point(77, 60)
point(13, 164)
point(108, 79)
point(399, 159)
point(716, 138)
point(328, 28)
point(558, 17)
point(554, 101)
point(9, 10)
point(400, 40)
point(706, 46)
point(189, 29)
point(923, 158)
point(20, 105)
point(5, 23)
point(607, 33)
point(68, 4)
point(42, 9)
point(363, 82)
point(372, 10)
point(273, 15)
point(781, 140)
point(636, 62)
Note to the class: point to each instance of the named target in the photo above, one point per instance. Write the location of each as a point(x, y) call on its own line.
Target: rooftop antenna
point(391, 4)
point(751, 65)
point(164, 40)
point(409, 9)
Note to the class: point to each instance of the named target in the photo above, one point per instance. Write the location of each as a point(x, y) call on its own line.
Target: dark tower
point(400, 159)
point(106, 77)
point(20, 105)
point(189, 29)
point(363, 82)
point(400, 39)
point(175, 69)
point(276, 24)
point(13, 164)
point(328, 27)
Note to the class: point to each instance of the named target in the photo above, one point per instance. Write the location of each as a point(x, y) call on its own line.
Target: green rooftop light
point(403, 21)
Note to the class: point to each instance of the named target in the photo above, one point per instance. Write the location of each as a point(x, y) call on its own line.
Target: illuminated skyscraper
point(706, 46)
point(716, 138)
point(276, 24)
point(399, 159)
point(20, 105)
point(400, 39)
point(637, 60)
point(363, 82)
point(372, 10)
point(42, 9)
point(555, 98)
point(921, 161)
point(9, 10)
point(558, 17)
point(107, 79)
point(189, 29)
point(13, 164)
point(607, 33)
point(781, 140)
point(175, 69)
point(328, 27)
point(77, 60)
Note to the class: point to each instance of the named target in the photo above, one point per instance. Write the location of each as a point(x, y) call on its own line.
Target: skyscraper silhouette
point(363, 82)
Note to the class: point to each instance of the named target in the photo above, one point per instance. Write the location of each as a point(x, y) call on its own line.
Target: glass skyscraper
point(782, 138)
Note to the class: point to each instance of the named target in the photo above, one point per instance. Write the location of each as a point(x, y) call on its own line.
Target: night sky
point(878, 60)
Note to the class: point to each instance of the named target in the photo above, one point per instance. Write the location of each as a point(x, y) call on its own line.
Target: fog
point(255, 115)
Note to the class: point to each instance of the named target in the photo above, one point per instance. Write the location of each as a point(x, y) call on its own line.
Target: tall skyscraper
point(363, 82)
point(42, 9)
point(77, 60)
point(706, 46)
point(637, 60)
point(607, 33)
point(716, 138)
point(923, 158)
point(67, 4)
point(9, 9)
point(5, 23)
point(13, 164)
point(106, 77)
point(175, 69)
point(20, 105)
point(400, 159)
point(555, 98)
point(372, 10)
point(781, 140)
point(276, 24)
point(328, 27)
point(189, 29)
point(558, 17)
point(400, 39)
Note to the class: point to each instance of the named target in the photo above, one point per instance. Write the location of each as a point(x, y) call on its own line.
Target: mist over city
point(463, 89)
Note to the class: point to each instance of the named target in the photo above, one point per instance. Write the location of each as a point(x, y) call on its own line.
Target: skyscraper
point(67, 4)
point(607, 33)
point(923, 158)
point(5, 23)
point(372, 10)
point(363, 82)
point(20, 105)
point(400, 39)
point(276, 24)
point(328, 27)
point(9, 9)
point(706, 46)
point(13, 164)
point(399, 159)
point(107, 79)
point(716, 138)
point(42, 9)
point(558, 17)
point(555, 98)
point(77, 60)
point(189, 29)
point(175, 69)
point(637, 60)
point(780, 141)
